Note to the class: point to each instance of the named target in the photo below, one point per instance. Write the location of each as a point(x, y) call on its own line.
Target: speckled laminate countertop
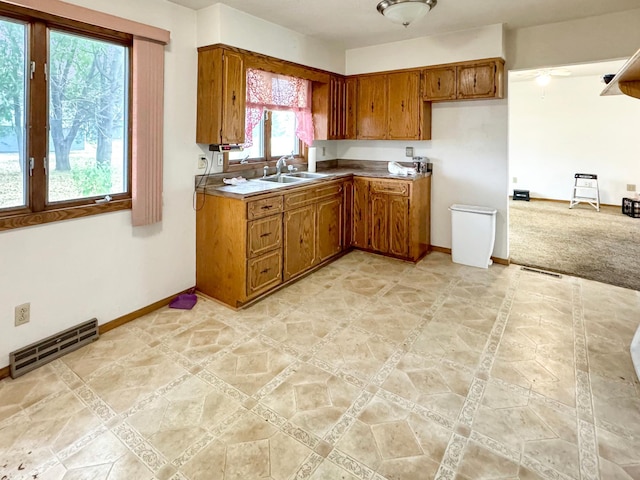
point(255, 187)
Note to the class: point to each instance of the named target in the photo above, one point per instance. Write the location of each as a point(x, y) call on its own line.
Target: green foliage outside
point(86, 82)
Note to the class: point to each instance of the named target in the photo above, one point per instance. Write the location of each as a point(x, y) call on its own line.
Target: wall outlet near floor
point(631, 187)
point(515, 179)
point(22, 314)
point(202, 162)
point(408, 152)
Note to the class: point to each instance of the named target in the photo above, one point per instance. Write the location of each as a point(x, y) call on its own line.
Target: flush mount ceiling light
point(405, 12)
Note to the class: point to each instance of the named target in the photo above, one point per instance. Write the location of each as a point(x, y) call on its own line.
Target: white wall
point(101, 266)
point(483, 42)
point(572, 129)
point(592, 39)
point(223, 24)
point(469, 146)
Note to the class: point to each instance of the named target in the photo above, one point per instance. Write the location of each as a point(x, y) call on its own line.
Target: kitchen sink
point(282, 179)
point(307, 175)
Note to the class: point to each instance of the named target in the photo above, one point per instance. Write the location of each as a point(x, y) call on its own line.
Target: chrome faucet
point(282, 162)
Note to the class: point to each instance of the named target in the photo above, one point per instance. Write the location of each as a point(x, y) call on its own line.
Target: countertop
point(255, 187)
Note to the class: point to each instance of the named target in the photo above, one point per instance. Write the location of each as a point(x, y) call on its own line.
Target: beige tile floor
point(368, 369)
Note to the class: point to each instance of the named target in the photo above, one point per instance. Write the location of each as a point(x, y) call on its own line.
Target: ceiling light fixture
point(405, 12)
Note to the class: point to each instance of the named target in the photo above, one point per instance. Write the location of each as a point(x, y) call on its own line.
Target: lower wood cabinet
point(313, 223)
point(299, 240)
point(392, 216)
point(247, 247)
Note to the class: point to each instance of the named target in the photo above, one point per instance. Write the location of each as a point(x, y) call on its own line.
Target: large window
point(64, 108)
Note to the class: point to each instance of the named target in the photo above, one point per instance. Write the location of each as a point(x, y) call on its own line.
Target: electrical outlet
point(631, 187)
point(220, 159)
point(202, 162)
point(22, 314)
point(515, 179)
point(408, 152)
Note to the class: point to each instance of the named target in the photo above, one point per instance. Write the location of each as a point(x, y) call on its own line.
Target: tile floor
point(370, 369)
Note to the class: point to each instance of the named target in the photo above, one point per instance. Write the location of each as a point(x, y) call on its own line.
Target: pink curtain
point(147, 138)
point(278, 92)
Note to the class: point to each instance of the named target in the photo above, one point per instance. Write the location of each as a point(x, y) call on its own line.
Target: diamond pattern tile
point(368, 369)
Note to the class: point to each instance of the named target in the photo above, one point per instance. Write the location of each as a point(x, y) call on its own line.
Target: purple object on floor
point(184, 301)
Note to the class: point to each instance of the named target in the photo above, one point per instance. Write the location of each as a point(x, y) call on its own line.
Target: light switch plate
point(409, 152)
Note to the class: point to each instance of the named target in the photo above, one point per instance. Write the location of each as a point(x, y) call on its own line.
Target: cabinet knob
point(438, 83)
point(371, 107)
point(233, 97)
point(402, 105)
point(265, 234)
point(265, 270)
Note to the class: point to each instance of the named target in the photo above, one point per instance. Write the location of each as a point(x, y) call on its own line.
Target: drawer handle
point(267, 207)
point(265, 270)
point(265, 235)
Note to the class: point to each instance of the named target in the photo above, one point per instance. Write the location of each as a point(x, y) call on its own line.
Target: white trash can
point(473, 234)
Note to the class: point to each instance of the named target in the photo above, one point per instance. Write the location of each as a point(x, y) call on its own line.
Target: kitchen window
point(278, 118)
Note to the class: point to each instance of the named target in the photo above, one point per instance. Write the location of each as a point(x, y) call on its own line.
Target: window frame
point(267, 159)
point(37, 211)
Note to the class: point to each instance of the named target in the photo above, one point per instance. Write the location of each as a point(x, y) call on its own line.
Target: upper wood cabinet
point(221, 96)
point(404, 106)
point(464, 81)
point(372, 108)
point(440, 84)
point(351, 102)
point(390, 108)
point(477, 81)
point(329, 102)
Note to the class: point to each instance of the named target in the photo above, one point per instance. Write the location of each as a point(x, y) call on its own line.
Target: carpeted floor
point(602, 246)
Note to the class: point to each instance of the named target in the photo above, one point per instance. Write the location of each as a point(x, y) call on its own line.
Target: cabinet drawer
point(329, 190)
point(311, 195)
point(390, 187)
point(264, 234)
point(264, 272)
point(264, 207)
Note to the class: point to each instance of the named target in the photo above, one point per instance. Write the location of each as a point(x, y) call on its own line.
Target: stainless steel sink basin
point(307, 175)
point(281, 179)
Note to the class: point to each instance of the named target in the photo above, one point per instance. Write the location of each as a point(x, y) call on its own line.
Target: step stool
point(585, 189)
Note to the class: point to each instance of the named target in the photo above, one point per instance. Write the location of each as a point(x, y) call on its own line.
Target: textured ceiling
point(356, 23)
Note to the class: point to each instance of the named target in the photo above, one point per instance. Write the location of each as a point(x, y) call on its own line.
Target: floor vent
point(535, 270)
point(47, 350)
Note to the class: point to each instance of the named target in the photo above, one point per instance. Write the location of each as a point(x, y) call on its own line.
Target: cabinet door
point(299, 240)
point(337, 107)
point(233, 98)
point(398, 225)
point(440, 84)
point(330, 221)
point(477, 81)
point(208, 118)
point(372, 107)
point(379, 223)
point(360, 226)
point(351, 101)
point(404, 106)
